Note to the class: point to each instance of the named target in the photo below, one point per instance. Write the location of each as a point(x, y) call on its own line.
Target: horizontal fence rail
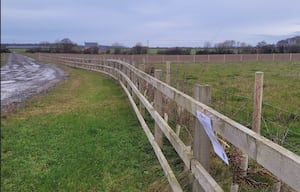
point(284, 164)
point(287, 57)
point(223, 58)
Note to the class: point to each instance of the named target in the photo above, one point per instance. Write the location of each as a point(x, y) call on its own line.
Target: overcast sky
point(155, 22)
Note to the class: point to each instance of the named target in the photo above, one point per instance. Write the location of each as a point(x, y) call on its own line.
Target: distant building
point(91, 48)
point(90, 44)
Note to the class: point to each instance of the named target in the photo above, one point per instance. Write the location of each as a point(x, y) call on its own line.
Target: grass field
point(232, 87)
point(70, 140)
point(81, 136)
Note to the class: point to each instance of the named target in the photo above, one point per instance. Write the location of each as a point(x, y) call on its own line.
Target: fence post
point(256, 121)
point(234, 188)
point(201, 144)
point(167, 105)
point(134, 80)
point(147, 58)
point(258, 93)
point(158, 107)
point(257, 111)
point(168, 72)
point(142, 89)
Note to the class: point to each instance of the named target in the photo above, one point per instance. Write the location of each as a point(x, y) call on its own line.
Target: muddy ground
point(23, 77)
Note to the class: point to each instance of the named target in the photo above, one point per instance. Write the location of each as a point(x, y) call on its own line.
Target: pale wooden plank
point(201, 142)
point(158, 107)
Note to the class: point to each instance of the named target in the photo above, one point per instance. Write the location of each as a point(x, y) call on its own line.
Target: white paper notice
point(206, 123)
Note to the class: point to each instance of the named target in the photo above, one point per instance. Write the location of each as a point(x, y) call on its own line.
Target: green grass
point(81, 136)
point(232, 86)
point(76, 138)
point(19, 50)
point(4, 57)
point(281, 80)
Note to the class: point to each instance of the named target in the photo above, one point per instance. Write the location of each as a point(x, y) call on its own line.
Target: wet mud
point(22, 77)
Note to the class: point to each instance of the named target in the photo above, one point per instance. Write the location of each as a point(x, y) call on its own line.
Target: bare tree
point(207, 44)
point(225, 47)
point(139, 49)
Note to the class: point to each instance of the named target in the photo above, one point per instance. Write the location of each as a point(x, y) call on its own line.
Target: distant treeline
point(4, 50)
point(291, 45)
point(231, 47)
point(206, 51)
point(138, 49)
point(63, 46)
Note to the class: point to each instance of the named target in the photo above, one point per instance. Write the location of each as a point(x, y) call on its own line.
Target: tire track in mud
point(23, 77)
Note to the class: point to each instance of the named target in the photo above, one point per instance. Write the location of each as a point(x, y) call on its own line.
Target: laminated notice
point(206, 123)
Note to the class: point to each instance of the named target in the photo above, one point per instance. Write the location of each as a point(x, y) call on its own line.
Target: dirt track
point(22, 77)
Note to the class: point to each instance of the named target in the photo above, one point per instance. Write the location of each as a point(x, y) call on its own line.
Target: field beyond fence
point(143, 89)
point(224, 58)
point(232, 87)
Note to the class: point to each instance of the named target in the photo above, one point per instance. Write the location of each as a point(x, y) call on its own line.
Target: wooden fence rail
point(284, 164)
point(218, 58)
point(275, 57)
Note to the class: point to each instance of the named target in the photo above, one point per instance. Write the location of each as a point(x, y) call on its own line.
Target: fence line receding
point(282, 163)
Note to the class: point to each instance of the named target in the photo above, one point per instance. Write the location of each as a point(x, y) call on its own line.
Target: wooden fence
point(225, 58)
point(282, 163)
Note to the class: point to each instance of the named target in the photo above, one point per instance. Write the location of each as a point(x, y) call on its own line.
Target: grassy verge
point(81, 136)
point(4, 57)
